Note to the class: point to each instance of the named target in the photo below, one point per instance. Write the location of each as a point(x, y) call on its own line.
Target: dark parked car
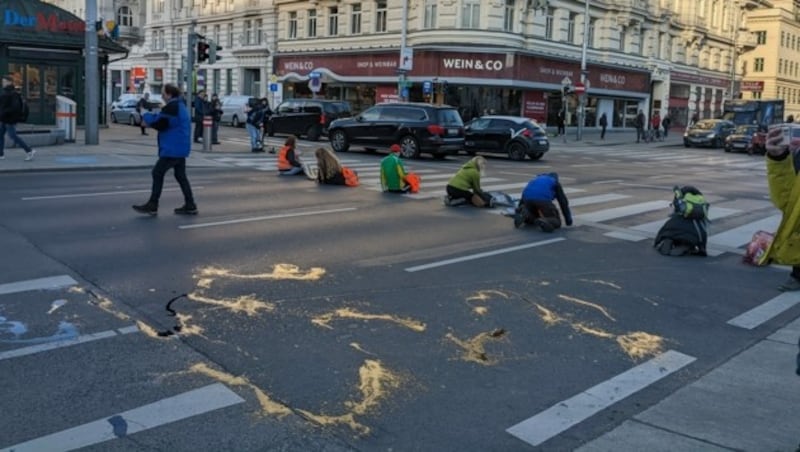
point(510, 135)
point(306, 117)
point(746, 138)
point(416, 127)
point(708, 132)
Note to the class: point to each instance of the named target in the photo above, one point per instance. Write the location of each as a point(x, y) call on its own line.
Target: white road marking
point(651, 228)
point(481, 255)
point(105, 193)
point(49, 283)
point(596, 199)
point(742, 235)
point(164, 411)
point(620, 212)
point(266, 217)
point(760, 314)
point(570, 412)
point(610, 181)
point(33, 349)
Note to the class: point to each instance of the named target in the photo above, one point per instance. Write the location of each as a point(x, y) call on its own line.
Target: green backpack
point(690, 203)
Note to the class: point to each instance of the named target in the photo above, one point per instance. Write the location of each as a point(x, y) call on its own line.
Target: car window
point(450, 117)
point(480, 124)
point(403, 114)
point(503, 124)
point(371, 114)
point(705, 125)
point(289, 107)
point(312, 108)
point(341, 108)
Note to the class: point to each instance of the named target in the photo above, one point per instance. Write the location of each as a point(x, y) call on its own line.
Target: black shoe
point(216, 142)
point(186, 209)
point(149, 208)
point(518, 220)
point(144, 133)
point(543, 225)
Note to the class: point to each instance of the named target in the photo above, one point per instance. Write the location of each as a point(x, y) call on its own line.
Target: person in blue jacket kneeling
point(536, 205)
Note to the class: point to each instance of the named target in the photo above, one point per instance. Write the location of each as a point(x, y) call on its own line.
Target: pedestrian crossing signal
point(202, 52)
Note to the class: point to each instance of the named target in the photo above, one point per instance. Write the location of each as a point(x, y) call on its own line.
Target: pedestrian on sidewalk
point(782, 180)
point(11, 112)
point(603, 125)
point(142, 106)
point(562, 126)
point(216, 116)
point(536, 204)
point(253, 124)
point(174, 126)
point(666, 123)
point(640, 122)
point(655, 121)
point(201, 109)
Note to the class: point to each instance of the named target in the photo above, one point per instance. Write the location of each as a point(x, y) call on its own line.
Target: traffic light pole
point(188, 68)
point(91, 90)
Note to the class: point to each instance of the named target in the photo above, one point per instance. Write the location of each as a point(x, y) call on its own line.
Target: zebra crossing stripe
point(649, 230)
point(619, 212)
point(595, 199)
point(736, 237)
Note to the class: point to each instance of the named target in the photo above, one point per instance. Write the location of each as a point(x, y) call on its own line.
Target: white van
point(234, 109)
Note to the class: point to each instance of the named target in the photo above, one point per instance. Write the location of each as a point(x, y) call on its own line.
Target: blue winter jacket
point(174, 129)
point(545, 187)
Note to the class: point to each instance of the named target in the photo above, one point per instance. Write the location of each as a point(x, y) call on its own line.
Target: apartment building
point(771, 67)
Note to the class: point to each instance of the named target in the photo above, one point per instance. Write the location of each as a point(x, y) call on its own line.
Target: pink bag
point(757, 247)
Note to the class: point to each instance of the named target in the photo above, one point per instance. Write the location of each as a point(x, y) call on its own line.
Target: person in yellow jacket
point(288, 163)
point(784, 191)
point(465, 185)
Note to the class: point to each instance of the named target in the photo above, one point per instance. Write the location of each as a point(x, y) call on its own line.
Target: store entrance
point(40, 84)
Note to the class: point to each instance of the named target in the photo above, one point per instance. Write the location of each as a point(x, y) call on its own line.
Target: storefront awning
point(35, 23)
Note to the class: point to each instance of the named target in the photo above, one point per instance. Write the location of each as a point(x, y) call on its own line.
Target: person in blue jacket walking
point(174, 126)
point(536, 205)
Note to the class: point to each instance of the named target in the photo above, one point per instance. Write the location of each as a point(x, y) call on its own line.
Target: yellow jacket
point(784, 190)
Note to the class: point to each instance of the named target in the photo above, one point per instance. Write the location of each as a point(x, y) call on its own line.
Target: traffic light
point(202, 52)
point(213, 48)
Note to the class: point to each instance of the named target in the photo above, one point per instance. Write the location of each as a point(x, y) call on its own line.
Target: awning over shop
point(35, 23)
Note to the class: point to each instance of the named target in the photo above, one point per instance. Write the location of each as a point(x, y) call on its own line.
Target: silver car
point(234, 109)
point(125, 113)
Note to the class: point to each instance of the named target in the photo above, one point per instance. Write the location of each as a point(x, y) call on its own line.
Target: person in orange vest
point(288, 163)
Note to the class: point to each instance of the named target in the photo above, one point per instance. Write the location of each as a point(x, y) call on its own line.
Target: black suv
point(510, 135)
point(416, 127)
point(306, 117)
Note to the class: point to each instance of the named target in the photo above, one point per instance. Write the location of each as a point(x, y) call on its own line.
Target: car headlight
point(710, 135)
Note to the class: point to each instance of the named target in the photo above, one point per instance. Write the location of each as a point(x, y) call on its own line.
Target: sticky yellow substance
point(601, 282)
point(374, 383)
point(76, 289)
point(358, 347)
point(474, 350)
point(480, 310)
point(589, 304)
point(640, 344)
point(108, 306)
point(549, 317)
point(204, 283)
point(484, 295)
point(147, 330)
point(268, 406)
point(187, 328)
point(279, 271)
point(582, 328)
point(324, 320)
point(247, 304)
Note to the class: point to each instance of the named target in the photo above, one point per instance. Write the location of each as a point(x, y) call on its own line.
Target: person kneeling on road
point(288, 163)
point(465, 185)
point(536, 205)
point(393, 173)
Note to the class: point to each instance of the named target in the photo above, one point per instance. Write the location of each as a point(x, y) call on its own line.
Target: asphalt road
point(333, 318)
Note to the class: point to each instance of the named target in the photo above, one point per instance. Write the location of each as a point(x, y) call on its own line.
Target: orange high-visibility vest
point(283, 160)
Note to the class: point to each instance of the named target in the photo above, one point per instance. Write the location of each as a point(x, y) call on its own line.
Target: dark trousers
point(179, 169)
point(457, 193)
point(198, 129)
point(11, 130)
point(214, 132)
point(603, 133)
point(545, 210)
point(639, 133)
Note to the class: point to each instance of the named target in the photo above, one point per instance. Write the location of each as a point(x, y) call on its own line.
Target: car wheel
point(409, 147)
point(313, 133)
point(717, 143)
point(131, 120)
point(516, 151)
point(686, 144)
point(113, 118)
point(339, 141)
point(727, 149)
point(536, 155)
point(235, 121)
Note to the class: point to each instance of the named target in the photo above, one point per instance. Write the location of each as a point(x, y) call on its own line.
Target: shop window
point(430, 14)
point(312, 23)
point(355, 19)
point(380, 16)
point(124, 17)
point(333, 21)
point(508, 16)
point(291, 31)
point(471, 14)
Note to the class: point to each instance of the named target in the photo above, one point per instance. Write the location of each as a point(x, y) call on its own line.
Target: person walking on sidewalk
point(11, 111)
point(255, 119)
point(640, 123)
point(216, 116)
point(201, 109)
point(666, 123)
point(142, 106)
point(603, 125)
point(174, 125)
point(655, 122)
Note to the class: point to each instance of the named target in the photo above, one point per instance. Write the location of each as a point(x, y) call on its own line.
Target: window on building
point(248, 32)
point(761, 37)
point(203, 30)
point(124, 17)
point(228, 82)
point(623, 36)
point(179, 39)
point(571, 28)
point(758, 65)
point(549, 22)
point(715, 16)
point(215, 84)
point(230, 35)
point(333, 21)
point(259, 25)
point(355, 19)
point(158, 6)
point(471, 14)
point(508, 16)
point(591, 38)
point(430, 14)
point(217, 29)
point(780, 66)
point(783, 38)
point(312, 23)
point(291, 29)
point(641, 49)
point(756, 95)
point(380, 16)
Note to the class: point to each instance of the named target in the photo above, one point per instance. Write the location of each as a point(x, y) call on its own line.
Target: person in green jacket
point(784, 192)
point(465, 185)
point(393, 173)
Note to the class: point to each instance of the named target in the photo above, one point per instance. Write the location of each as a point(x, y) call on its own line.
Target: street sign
point(314, 75)
point(314, 82)
point(404, 93)
point(273, 78)
point(406, 59)
point(751, 85)
point(273, 87)
point(427, 87)
point(566, 81)
point(580, 88)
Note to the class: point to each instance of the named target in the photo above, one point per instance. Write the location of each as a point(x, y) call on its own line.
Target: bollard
point(208, 122)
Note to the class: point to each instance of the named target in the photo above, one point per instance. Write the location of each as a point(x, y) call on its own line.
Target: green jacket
point(784, 190)
point(468, 178)
point(393, 173)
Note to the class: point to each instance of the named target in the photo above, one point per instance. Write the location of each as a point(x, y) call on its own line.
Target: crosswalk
point(625, 216)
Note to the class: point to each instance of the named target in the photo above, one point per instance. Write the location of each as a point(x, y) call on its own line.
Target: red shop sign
point(379, 64)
